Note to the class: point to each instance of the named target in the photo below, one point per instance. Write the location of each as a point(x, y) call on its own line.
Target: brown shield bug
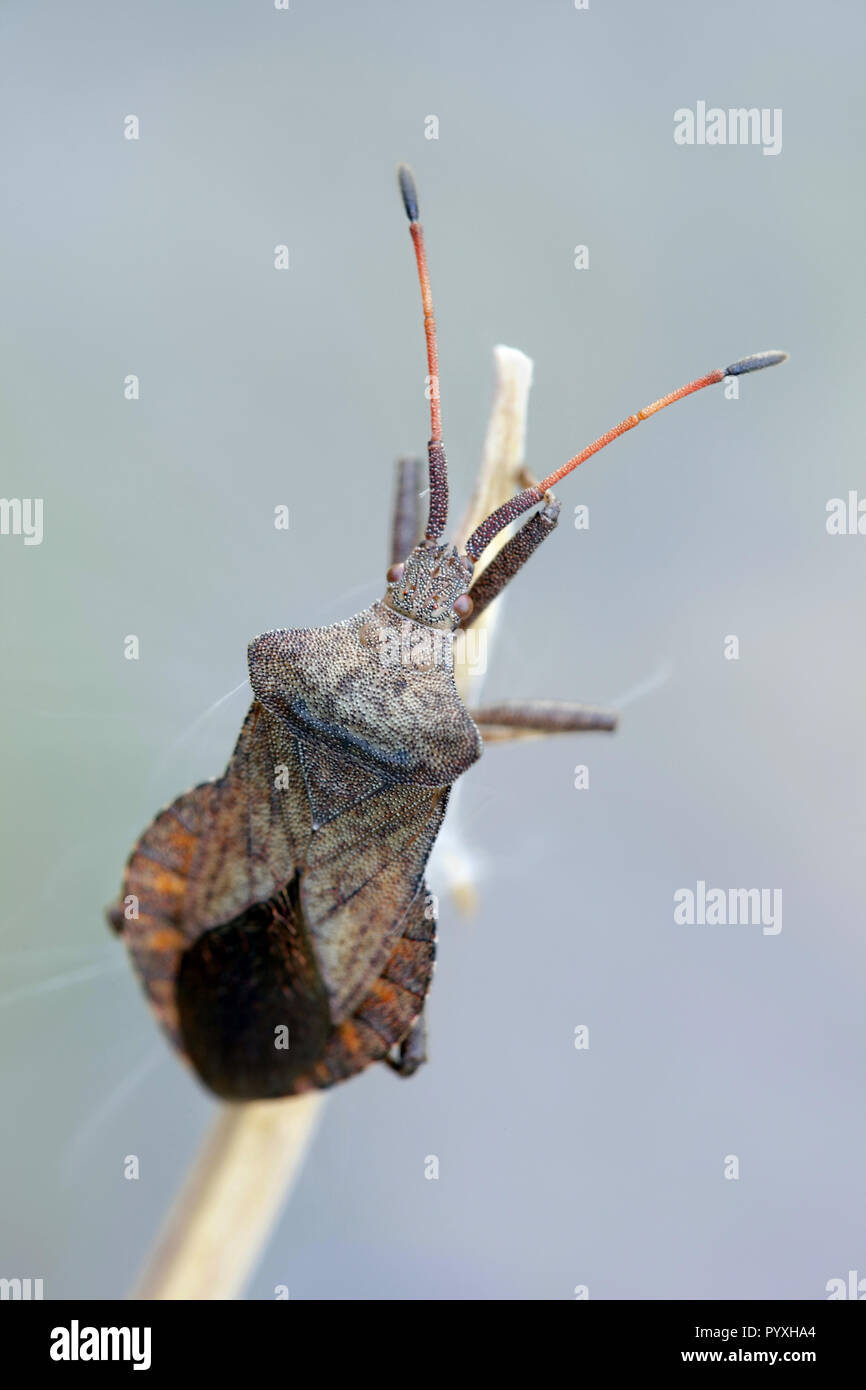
point(278, 917)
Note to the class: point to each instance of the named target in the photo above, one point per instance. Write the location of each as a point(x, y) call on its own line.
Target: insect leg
point(511, 558)
point(534, 718)
point(406, 523)
point(411, 1053)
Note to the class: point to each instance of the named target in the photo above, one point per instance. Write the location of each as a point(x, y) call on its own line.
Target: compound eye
point(395, 573)
point(463, 606)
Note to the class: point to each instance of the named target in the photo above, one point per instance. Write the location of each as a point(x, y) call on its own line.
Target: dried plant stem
point(231, 1199)
point(236, 1188)
point(502, 461)
point(499, 477)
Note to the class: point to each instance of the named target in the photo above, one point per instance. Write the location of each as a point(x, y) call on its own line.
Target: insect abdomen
point(253, 1012)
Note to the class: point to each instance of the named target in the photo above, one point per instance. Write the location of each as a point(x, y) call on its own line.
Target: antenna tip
point(756, 362)
point(408, 191)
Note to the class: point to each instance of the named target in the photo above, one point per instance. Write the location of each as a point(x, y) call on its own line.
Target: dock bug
point(278, 917)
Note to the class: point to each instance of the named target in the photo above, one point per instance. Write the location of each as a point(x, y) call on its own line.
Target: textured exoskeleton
point(278, 917)
point(290, 893)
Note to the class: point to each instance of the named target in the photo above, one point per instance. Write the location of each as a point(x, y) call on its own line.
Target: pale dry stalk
point(239, 1182)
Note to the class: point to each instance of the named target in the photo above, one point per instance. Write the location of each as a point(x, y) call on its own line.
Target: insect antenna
point(523, 501)
point(438, 513)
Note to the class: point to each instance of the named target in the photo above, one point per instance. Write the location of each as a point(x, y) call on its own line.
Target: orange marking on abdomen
point(167, 882)
point(162, 939)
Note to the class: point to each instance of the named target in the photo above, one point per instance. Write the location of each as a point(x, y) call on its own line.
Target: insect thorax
point(433, 578)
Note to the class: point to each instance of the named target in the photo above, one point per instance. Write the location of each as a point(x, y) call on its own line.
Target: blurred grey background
point(558, 1167)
